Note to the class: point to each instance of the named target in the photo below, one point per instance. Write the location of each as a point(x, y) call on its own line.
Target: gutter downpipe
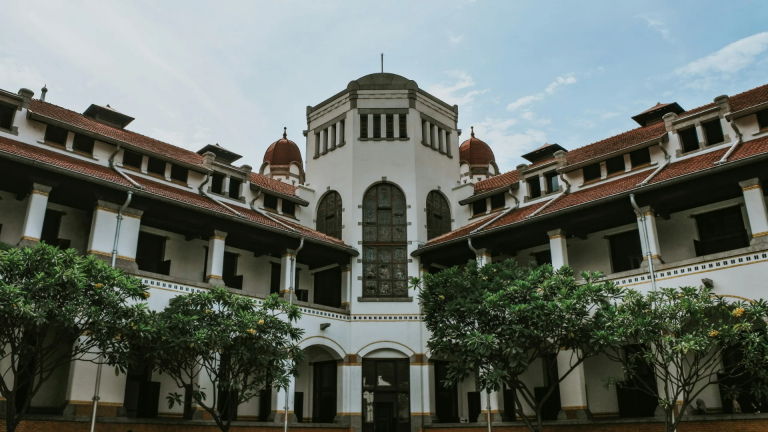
point(499, 216)
point(667, 160)
point(119, 171)
point(114, 259)
point(266, 215)
point(290, 302)
point(645, 237)
point(733, 147)
point(565, 192)
point(214, 199)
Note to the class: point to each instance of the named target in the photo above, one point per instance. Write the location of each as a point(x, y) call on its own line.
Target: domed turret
point(282, 161)
point(477, 159)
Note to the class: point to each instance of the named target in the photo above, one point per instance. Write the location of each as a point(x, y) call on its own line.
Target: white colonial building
point(388, 191)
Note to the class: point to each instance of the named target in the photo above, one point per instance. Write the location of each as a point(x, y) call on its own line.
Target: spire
point(285, 133)
point(43, 92)
point(473, 131)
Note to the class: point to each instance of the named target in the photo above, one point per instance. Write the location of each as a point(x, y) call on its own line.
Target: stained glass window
point(385, 272)
point(329, 215)
point(438, 215)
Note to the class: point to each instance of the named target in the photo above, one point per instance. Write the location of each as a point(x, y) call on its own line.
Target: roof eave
point(663, 138)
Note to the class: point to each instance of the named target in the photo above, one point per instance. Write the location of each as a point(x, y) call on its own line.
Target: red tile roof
point(272, 184)
point(749, 98)
point(625, 184)
point(150, 144)
point(616, 143)
point(66, 162)
point(499, 181)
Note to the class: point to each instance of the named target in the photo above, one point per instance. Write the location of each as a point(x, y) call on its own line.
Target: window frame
point(153, 166)
point(176, 169)
point(612, 165)
point(77, 141)
point(50, 130)
point(534, 187)
point(762, 119)
point(549, 177)
point(588, 169)
point(633, 156)
point(290, 210)
point(385, 242)
point(497, 205)
point(12, 110)
point(688, 132)
point(364, 126)
point(476, 210)
point(268, 206)
point(330, 201)
point(438, 215)
point(125, 163)
point(705, 126)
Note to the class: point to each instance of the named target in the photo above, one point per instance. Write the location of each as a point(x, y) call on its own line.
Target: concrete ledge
point(178, 421)
point(384, 299)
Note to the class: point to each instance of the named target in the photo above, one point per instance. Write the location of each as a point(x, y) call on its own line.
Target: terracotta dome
point(282, 152)
point(476, 152)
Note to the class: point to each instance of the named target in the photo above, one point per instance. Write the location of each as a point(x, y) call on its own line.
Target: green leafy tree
point(495, 320)
point(682, 335)
point(55, 307)
point(230, 344)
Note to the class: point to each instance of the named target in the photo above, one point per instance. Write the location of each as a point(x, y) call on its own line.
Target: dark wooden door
point(324, 392)
point(328, 287)
point(473, 405)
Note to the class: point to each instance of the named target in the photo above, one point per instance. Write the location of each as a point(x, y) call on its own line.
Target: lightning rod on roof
point(382, 62)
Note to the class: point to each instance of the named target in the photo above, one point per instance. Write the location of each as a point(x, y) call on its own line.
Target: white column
point(427, 133)
point(168, 171)
point(101, 240)
point(494, 399)
point(33, 220)
point(370, 126)
point(483, 256)
point(448, 143)
point(349, 380)
point(558, 248)
point(649, 228)
point(396, 125)
point(754, 201)
point(383, 124)
point(215, 265)
point(422, 392)
point(285, 275)
point(280, 414)
point(225, 186)
point(346, 286)
point(573, 388)
point(81, 384)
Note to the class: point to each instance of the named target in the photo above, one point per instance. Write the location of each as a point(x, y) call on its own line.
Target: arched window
point(438, 215)
point(329, 215)
point(385, 272)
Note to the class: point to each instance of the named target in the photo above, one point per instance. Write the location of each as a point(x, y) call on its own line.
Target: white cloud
point(507, 143)
point(656, 25)
point(526, 100)
point(14, 76)
point(456, 39)
point(533, 119)
point(454, 93)
point(728, 60)
point(610, 114)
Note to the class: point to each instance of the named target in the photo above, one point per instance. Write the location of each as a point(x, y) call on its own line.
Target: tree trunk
point(10, 413)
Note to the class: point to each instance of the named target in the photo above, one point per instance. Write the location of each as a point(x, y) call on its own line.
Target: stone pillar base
point(123, 264)
point(279, 417)
point(496, 417)
point(215, 281)
point(760, 238)
point(28, 243)
point(656, 263)
point(575, 414)
point(84, 409)
point(353, 421)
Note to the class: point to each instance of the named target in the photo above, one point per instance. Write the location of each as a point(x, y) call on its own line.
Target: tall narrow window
point(217, 183)
point(317, 144)
point(329, 215)
point(51, 227)
point(150, 253)
point(440, 140)
point(363, 125)
point(446, 398)
point(341, 139)
point(234, 187)
point(438, 215)
point(324, 391)
point(714, 131)
point(432, 139)
point(385, 259)
point(325, 140)
point(626, 253)
point(377, 126)
point(425, 132)
point(333, 136)
point(689, 139)
point(534, 187)
point(390, 126)
point(56, 135)
point(552, 181)
point(274, 278)
point(229, 270)
point(403, 126)
point(6, 116)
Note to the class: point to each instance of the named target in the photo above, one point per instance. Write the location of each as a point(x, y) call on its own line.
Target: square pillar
point(483, 257)
point(82, 383)
point(396, 125)
point(370, 126)
point(349, 381)
point(33, 220)
point(346, 286)
point(280, 411)
point(646, 222)
point(215, 263)
point(448, 143)
point(427, 134)
point(101, 240)
point(558, 248)
point(754, 201)
point(573, 388)
point(496, 405)
point(422, 392)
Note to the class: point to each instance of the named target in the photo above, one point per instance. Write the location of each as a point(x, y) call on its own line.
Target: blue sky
point(523, 72)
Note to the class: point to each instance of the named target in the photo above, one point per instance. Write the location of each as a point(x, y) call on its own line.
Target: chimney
point(521, 167)
point(724, 103)
point(26, 94)
point(208, 158)
point(560, 157)
point(43, 91)
point(668, 119)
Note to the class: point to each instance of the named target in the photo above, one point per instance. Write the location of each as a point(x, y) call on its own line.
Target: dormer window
point(713, 130)
point(6, 116)
point(498, 201)
point(552, 181)
point(289, 208)
point(217, 183)
point(591, 172)
point(689, 139)
point(762, 119)
point(56, 135)
point(640, 157)
point(132, 159)
point(234, 187)
point(156, 166)
point(270, 202)
point(534, 187)
point(615, 165)
point(479, 207)
point(179, 173)
point(83, 144)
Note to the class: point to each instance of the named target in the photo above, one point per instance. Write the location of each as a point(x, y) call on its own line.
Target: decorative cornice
point(757, 186)
point(41, 193)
